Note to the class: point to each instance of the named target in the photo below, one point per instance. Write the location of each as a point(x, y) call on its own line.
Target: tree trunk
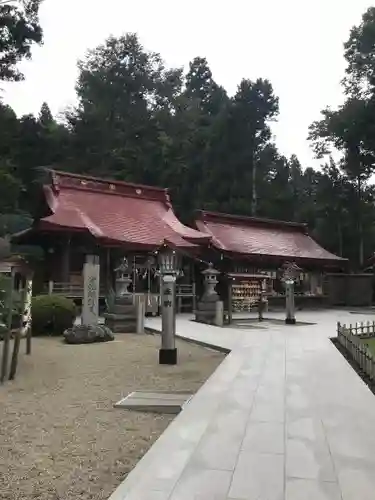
point(254, 190)
point(360, 225)
point(339, 232)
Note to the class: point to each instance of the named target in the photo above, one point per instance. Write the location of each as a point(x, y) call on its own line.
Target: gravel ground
point(61, 438)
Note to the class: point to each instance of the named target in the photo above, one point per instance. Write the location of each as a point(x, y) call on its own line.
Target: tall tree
point(359, 78)
point(199, 107)
point(347, 130)
point(19, 30)
point(252, 108)
point(113, 125)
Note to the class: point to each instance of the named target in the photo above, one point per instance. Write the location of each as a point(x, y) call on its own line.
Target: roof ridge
point(69, 180)
point(62, 173)
point(249, 219)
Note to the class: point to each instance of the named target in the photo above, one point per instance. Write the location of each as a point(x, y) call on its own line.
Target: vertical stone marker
point(91, 284)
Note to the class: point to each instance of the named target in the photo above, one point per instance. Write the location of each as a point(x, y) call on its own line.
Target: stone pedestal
point(122, 318)
point(122, 314)
point(207, 310)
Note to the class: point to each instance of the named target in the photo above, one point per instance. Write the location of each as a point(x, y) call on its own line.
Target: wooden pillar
point(65, 260)
point(7, 333)
point(230, 304)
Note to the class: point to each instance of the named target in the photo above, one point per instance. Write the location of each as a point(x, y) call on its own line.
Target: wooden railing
point(186, 297)
point(185, 294)
point(352, 340)
point(70, 290)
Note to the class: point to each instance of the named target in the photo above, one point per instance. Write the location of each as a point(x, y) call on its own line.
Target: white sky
point(297, 44)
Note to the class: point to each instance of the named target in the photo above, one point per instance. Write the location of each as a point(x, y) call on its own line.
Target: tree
point(113, 126)
point(19, 30)
point(45, 117)
point(251, 109)
point(198, 112)
point(347, 129)
point(359, 80)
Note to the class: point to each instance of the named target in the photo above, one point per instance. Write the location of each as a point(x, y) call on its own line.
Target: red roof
point(115, 212)
point(253, 236)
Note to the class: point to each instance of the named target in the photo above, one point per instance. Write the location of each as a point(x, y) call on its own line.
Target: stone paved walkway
point(284, 417)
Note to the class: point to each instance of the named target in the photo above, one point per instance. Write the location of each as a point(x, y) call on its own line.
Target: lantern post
point(290, 272)
point(168, 266)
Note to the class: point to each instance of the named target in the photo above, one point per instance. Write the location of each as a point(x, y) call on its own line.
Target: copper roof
point(254, 236)
point(114, 212)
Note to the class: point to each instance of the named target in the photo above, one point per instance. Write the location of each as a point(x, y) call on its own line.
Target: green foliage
point(350, 129)
point(52, 314)
point(359, 54)
point(19, 30)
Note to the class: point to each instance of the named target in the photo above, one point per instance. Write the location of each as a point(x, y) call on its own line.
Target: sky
point(296, 44)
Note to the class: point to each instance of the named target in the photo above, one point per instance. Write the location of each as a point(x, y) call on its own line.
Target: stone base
point(121, 324)
point(290, 321)
point(123, 316)
point(167, 356)
point(88, 334)
point(206, 312)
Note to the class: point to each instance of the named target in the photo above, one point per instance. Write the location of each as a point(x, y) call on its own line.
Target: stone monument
point(122, 316)
point(209, 308)
point(91, 284)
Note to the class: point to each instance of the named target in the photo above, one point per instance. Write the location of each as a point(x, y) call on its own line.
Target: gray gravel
point(61, 438)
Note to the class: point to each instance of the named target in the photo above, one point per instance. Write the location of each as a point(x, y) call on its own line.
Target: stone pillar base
point(167, 356)
point(290, 321)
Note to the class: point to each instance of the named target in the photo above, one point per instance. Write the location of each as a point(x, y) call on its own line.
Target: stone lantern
point(210, 281)
point(122, 315)
point(210, 308)
point(123, 280)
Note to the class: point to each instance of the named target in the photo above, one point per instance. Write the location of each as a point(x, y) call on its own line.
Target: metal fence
point(351, 338)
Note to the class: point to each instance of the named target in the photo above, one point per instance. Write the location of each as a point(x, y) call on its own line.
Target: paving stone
point(156, 402)
point(202, 484)
point(306, 489)
point(309, 460)
point(264, 437)
point(258, 476)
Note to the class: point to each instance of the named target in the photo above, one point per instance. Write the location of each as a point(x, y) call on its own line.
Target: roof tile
point(116, 211)
point(253, 236)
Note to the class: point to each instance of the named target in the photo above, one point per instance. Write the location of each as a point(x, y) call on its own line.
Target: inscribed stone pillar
point(290, 308)
point(91, 284)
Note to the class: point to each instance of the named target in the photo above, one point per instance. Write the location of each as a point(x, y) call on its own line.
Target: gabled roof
point(251, 236)
point(114, 212)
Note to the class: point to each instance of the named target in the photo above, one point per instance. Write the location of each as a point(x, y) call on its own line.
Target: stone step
point(123, 309)
point(120, 317)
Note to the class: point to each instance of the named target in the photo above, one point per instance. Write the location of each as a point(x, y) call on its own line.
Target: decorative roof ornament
point(290, 271)
point(123, 268)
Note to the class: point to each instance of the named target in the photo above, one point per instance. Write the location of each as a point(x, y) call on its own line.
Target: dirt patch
point(61, 438)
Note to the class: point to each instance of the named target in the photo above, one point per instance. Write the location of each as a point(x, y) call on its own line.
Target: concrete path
point(284, 417)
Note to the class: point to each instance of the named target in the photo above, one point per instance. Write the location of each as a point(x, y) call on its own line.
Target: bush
point(52, 314)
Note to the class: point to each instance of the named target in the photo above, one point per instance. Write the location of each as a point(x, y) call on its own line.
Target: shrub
point(52, 314)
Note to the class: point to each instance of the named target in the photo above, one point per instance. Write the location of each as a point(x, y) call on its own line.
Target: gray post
point(219, 313)
point(290, 309)
point(140, 313)
point(168, 351)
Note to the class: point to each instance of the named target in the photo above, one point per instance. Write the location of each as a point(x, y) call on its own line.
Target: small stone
point(88, 334)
